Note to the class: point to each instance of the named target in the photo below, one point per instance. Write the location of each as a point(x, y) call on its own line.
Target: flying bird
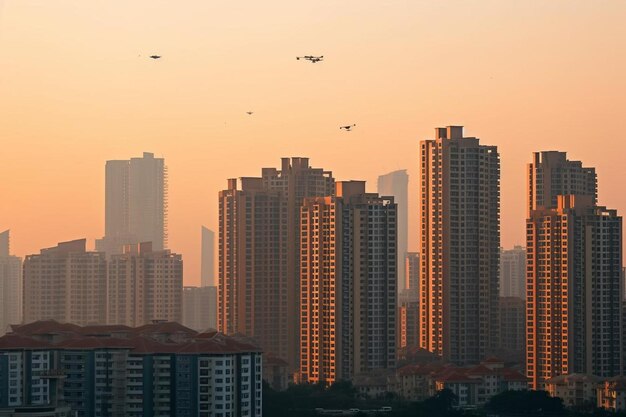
point(155, 56)
point(347, 128)
point(311, 58)
point(249, 113)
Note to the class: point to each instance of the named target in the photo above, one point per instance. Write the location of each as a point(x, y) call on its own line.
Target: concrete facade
point(460, 246)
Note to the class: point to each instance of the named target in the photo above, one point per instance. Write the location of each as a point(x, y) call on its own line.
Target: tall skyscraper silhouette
point(10, 285)
point(574, 273)
point(135, 204)
point(207, 265)
point(348, 284)
point(396, 184)
point(460, 246)
point(259, 264)
point(67, 284)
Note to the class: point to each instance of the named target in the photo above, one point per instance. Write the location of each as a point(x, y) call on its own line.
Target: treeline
point(303, 399)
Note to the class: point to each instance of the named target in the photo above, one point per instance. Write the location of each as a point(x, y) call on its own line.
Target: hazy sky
point(74, 92)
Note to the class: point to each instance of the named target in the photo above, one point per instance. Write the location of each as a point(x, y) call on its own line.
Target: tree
point(525, 402)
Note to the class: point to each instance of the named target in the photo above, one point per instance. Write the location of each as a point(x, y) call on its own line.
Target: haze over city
point(76, 90)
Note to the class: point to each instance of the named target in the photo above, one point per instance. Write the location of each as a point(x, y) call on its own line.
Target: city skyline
point(541, 84)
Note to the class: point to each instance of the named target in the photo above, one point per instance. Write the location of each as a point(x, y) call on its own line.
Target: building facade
point(207, 264)
point(574, 316)
point(513, 328)
point(551, 174)
point(144, 286)
point(408, 303)
point(459, 241)
point(513, 272)
point(66, 283)
point(396, 184)
point(259, 264)
point(200, 308)
point(135, 204)
point(120, 371)
point(10, 285)
point(348, 284)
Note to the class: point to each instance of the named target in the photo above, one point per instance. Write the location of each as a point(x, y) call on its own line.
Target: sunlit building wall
point(259, 263)
point(460, 246)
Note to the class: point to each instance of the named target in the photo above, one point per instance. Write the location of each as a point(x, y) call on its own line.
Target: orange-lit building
point(551, 174)
point(573, 310)
point(348, 284)
point(259, 237)
point(459, 246)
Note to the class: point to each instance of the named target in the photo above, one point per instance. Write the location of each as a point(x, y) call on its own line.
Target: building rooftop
point(167, 337)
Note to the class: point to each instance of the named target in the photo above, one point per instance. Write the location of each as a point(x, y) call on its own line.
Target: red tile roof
point(19, 342)
point(138, 339)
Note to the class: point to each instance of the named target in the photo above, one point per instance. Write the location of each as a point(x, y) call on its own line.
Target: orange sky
point(522, 75)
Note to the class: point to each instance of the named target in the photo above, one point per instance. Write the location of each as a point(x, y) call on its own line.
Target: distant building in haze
point(513, 328)
point(207, 264)
point(575, 290)
point(144, 286)
point(460, 246)
point(408, 303)
point(259, 244)
point(10, 285)
point(67, 284)
point(412, 270)
point(396, 184)
point(513, 272)
point(135, 204)
point(199, 308)
point(348, 284)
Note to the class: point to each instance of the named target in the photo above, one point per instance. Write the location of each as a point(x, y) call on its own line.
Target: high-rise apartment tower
point(348, 284)
point(573, 305)
point(513, 272)
point(259, 248)
point(460, 246)
point(144, 286)
point(10, 285)
point(396, 184)
point(67, 284)
point(207, 264)
point(135, 204)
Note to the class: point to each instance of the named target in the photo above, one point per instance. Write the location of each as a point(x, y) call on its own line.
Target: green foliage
point(525, 402)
